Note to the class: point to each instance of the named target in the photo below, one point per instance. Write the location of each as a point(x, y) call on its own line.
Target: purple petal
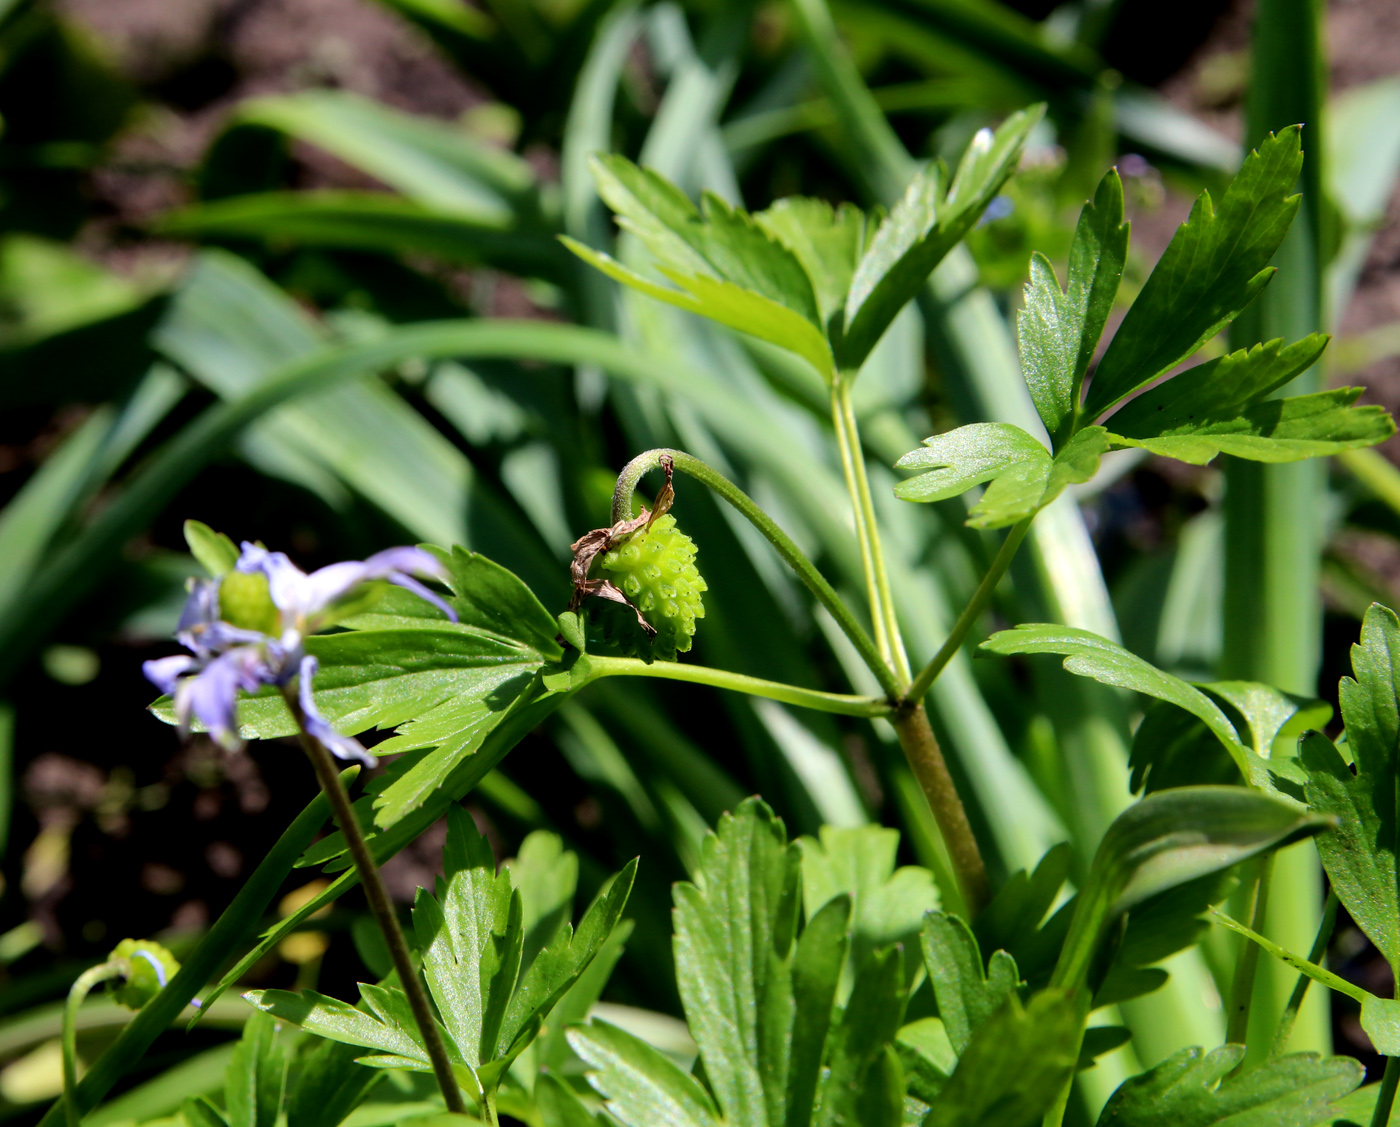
point(286, 583)
point(409, 583)
point(414, 560)
point(325, 586)
point(165, 672)
point(211, 698)
point(318, 727)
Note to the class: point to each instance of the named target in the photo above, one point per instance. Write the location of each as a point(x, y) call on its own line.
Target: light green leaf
point(546, 875)
point(643, 1087)
point(1215, 265)
point(337, 1021)
point(1089, 655)
point(1058, 331)
point(1380, 1018)
point(967, 994)
point(827, 241)
point(215, 552)
point(1015, 1066)
point(928, 1057)
point(560, 1107)
point(922, 228)
point(199, 1111)
point(256, 1075)
point(1359, 852)
point(1194, 1088)
point(970, 455)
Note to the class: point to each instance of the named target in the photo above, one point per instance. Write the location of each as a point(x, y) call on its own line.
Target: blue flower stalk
point(246, 629)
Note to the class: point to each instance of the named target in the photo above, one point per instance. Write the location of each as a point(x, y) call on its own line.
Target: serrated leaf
point(336, 1021)
point(1058, 331)
point(828, 242)
point(1089, 655)
point(1359, 852)
point(855, 1080)
point(1015, 1066)
point(734, 932)
point(471, 952)
point(1215, 265)
point(1192, 1088)
point(888, 904)
point(643, 1087)
point(215, 552)
point(493, 598)
point(254, 1081)
point(968, 994)
point(922, 228)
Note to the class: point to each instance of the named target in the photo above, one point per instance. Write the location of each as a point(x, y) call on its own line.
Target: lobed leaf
point(337, 1021)
point(643, 1087)
point(1215, 265)
point(968, 994)
point(857, 1074)
point(828, 242)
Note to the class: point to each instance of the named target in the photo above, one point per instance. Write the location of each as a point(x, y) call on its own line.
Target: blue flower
point(225, 658)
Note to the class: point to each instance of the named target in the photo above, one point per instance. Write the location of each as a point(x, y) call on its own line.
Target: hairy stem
point(877, 582)
point(791, 554)
point(931, 769)
point(740, 683)
point(91, 977)
point(1247, 962)
point(980, 598)
point(380, 906)
point(1300, 988)
point(1385, 1100)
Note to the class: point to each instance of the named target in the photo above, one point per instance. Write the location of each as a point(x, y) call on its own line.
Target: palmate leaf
point(1359, 854)
point(1191, 1089)
point(1215, 265)
point(922, 228)
point(828, 241)
point(1024, 476)
point(1058, 331)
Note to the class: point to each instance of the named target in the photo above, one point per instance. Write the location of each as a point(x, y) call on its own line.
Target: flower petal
point(318, 727)
point(212, 699)
point(165, 672)
point(286, 583)
point(408, 582)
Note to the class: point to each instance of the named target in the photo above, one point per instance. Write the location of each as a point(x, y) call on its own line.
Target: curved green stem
point(740, 683)
point(980, 598)
point(877, 580)
point(791, 554)
point(380, 906)
point(91, 977)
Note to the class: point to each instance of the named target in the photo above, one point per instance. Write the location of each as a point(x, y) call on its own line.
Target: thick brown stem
point(381, 908)
point(931, 769)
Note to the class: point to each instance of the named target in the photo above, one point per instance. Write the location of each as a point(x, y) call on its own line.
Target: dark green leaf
point(643, 1087)
point(1191, 1089)
point(967, 993)
point(816, 974)
point(922, 228)
point(1015, 1066)
point(1101, 1039)
point(560, 1107)
point(329, 1086)
point(255, 1077)
point(198, 1111)
point(1058, 331)
point(1020, 905)
point(1215, 265)
point(494, 598)
point(928, 1057)
point(734, 932)
point(855, 1078)
point(1359, 852)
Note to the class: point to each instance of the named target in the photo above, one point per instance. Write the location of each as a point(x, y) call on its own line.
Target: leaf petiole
point(93, 976)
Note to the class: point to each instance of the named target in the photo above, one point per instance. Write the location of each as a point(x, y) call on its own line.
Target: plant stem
point(1300, 988)
point(380, 907)
point(1385, 1099)
point(931, 769)
point(76, 995)
point(741, 683)
point(1247, 962)
point(980, 598)
point(877, 581)
point(791, 554)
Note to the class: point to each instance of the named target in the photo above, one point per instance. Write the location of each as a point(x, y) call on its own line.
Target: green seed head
point(655, 569)
point(244, 601)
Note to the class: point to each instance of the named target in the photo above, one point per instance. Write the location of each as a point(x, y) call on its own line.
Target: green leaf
point(967, 993)
point(199, 1111)
point(1359, 852)
point(888, 904)
point(339, 1021)
point(1089, 655)
point(546, 875)
point(816, 974)
point(256, 1075)
point(493, 598)
point(643, 1087)
point(1020, 905)
point(560, 1107)
point(329, 1086)
point(855, 1080)
point(1380, 1018)
point(215, 552)
point(471, 945)
point(734, 932)
point(1058, 331)
point(1166, 840)
point(928, 1057)
point(828, 242)
point(1015, 1066)
point(922, 228)
point(1215, 265)
point(1193, 1088)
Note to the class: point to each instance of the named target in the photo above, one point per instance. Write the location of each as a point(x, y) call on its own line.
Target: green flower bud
point(149, 967)
point(655, 569)
point(244, 601)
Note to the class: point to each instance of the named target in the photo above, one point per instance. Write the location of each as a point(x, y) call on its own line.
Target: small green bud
point(149, 966)
point(244, 601)
point(655, 569)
